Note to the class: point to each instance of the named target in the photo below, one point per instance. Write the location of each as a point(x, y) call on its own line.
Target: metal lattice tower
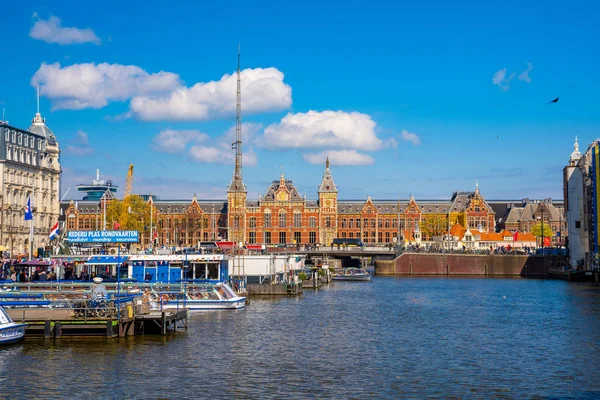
point(239, 273)
point(238, 124)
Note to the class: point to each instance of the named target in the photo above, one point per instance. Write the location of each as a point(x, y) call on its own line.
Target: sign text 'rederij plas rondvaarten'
point(103, 236)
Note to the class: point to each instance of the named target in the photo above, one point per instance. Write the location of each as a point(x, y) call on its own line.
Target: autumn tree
point(434, 225)
point(132, 213)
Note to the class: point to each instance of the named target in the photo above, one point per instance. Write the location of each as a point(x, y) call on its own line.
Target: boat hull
point(574, 276)
point(207, 305)
point(358, 278)
point(12, 333)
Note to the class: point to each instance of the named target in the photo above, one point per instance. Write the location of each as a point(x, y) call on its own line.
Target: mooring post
point(109, 328)
point(164, 323)
point(47, 329)
point(596, 278)
point(57, 329)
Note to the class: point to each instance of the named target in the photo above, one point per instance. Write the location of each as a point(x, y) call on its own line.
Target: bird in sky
point(553, 101)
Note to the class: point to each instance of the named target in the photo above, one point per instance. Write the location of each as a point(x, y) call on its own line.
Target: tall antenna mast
point(238, 123)
point(38, 99)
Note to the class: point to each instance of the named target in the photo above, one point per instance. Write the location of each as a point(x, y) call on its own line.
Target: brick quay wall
point(428, 264)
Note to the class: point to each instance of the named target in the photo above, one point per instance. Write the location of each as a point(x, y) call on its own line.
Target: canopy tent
point(34, 263)
point(106, 260)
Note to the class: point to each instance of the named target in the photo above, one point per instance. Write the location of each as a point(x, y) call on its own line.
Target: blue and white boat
point(10, 332)
point(351, 274)
point(200, 298)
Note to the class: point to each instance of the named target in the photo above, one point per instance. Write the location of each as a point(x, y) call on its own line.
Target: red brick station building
point(283, 216)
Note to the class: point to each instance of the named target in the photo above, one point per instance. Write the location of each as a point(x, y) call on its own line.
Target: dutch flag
point(54, 232)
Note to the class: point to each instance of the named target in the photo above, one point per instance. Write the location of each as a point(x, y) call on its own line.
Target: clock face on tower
point(328, 202)
point(282, 196)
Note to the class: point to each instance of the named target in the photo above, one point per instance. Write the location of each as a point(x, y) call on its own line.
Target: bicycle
point(92, 308)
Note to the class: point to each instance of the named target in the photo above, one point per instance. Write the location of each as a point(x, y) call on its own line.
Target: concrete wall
point(577, 236)
point(421, 264)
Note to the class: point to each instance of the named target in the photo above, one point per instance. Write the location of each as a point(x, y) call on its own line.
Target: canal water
point(389, 338)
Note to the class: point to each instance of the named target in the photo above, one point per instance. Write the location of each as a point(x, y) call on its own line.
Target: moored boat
point(202, 298)
point(10, 332)
point(351, 274)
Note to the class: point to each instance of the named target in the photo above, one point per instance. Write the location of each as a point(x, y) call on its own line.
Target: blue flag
point(28, 212)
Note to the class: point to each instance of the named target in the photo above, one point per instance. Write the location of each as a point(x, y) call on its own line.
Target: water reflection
point(388, 338)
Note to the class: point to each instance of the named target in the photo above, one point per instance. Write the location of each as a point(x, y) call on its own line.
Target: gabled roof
point(289, 186)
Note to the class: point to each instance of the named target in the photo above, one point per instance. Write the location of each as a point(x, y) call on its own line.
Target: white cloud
point(221, 153)
point(262, 89)
point(339, 157)
point(172, 141)
point(206, 150)
point(82, 138)
point(50, 31)
point(501, 80)
point(92, 85)
point(524, 76)
point(322, 129)
point(80, 145)
point(410, 137)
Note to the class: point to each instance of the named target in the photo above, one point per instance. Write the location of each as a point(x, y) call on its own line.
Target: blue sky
point(419, 98)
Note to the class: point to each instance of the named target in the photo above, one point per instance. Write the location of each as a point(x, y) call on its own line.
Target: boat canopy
point(106, 260)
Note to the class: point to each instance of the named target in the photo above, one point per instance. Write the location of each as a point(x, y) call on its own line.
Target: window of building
point(282, 238)
point(387, 237)
point(298, 237)
point(14, 136)
point(380, 237)
point(387, 222)
point(312, 237)
point(343, 222)
point(358, 222)
point(373, 236)
point(6, 135)
point(297, 220)
point(373, 222)
point(267, 237)
point(350, 235)
point(282, 220)
point(252, 237)
point(343, 235)
point(26, 140)
point(312, 222)
point(268, 220)
point(380, 222)
point(350, 222)
point(328, 222)
point(236, 221)
point(252, 222)
point(365, 222)
point(20, 138)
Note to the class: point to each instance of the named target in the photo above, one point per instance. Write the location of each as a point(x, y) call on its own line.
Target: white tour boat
point(10, 332)
point(201, 298)
point(351, 274)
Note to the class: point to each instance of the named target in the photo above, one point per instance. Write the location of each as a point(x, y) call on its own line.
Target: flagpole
point(31, 226)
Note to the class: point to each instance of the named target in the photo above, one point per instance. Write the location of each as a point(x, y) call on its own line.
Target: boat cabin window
point(4, 318)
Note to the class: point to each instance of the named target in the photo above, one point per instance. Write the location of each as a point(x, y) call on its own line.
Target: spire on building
point(575, 155)
point(327, 184)
point(237, 183)
point(38, 124)
point(476, 186)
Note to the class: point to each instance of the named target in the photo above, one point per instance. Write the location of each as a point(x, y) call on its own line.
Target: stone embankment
point(427, 264)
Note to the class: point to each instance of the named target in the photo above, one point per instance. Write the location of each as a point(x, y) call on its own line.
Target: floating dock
point(52, 323)
point(255, 289)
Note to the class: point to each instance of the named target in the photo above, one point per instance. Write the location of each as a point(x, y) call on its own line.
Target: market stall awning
point(105, 260)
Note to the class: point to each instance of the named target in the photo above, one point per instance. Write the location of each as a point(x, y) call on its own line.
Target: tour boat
point(10, 332)
point(351, 274)
point(202, 298)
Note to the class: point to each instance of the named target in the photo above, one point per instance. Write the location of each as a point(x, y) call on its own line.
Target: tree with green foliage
point(536, 230)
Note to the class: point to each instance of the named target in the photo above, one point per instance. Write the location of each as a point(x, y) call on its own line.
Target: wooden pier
point(278, 290)
point(52, 323)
